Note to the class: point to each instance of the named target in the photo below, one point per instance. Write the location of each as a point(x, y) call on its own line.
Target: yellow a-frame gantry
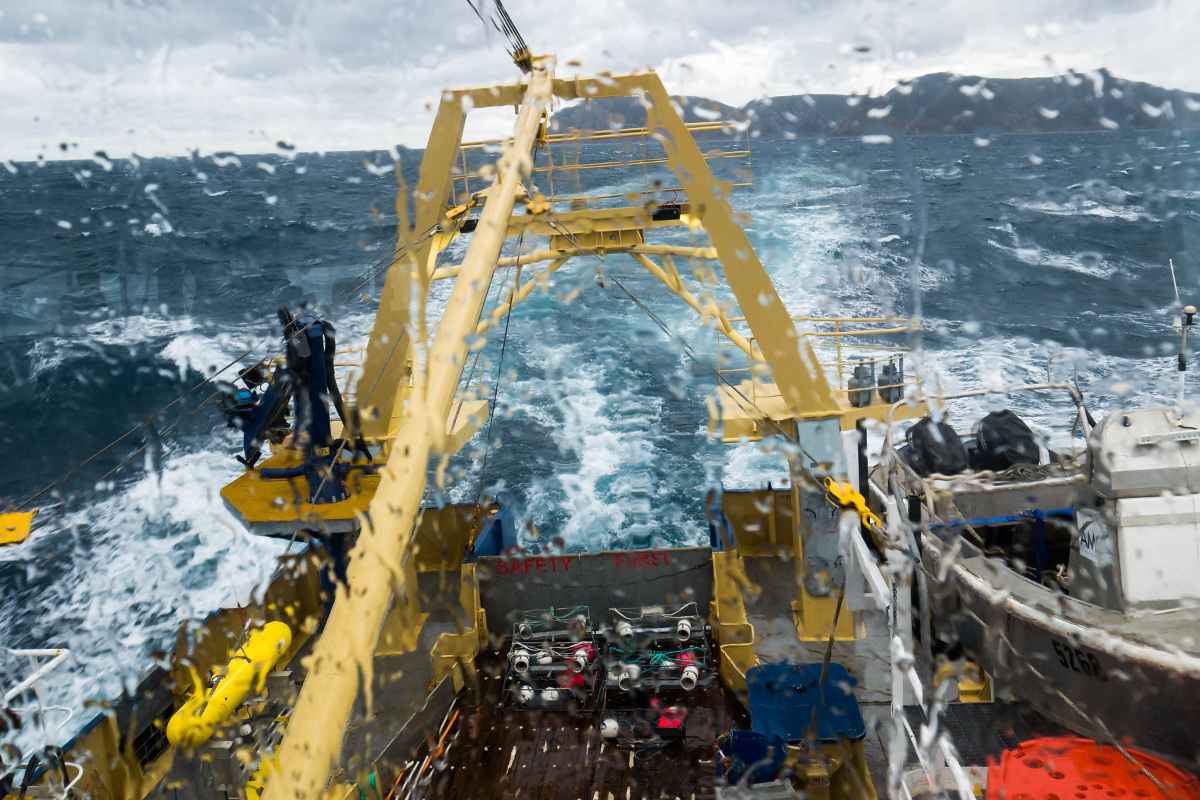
point(407, 391)
point(796, 371)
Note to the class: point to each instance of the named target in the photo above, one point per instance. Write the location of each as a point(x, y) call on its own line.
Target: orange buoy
point(1067, 768)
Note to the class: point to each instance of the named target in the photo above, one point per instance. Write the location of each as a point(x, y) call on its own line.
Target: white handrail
point(34, 682)
point(903, 661)
point(44, 709)
point(41, 672)
point(75, 780)
point(865, 585)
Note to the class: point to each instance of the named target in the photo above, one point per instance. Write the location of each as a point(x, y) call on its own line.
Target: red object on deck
point(1066, 768)
point(671, 718)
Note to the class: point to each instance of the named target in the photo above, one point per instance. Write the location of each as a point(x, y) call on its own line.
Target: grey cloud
point(204, 73)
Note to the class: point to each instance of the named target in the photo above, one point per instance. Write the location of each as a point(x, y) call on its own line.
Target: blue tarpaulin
point(782, 698)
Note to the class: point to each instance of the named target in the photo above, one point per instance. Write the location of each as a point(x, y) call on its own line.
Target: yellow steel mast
point(346, 648)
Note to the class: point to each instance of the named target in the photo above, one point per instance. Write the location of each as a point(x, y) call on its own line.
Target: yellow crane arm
point(346, 648)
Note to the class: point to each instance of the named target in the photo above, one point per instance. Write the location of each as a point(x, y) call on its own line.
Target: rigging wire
point(128, 459)
point(517, 48)
point(478, 358)
point(428, 483)
point(495, 394)
point(503, 349)
point(429, 232)
point(43, 522)
point(379, 268)
point(557, 224)
point(132, 431)
point(780, 430)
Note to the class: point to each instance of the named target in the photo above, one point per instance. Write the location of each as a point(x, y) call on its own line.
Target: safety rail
point(34, 682)
point(731, 627)
point(350, 351)
point(37, 672)
point(866, 588)
point(847, 357)
point(472, 378)
point(577, 137)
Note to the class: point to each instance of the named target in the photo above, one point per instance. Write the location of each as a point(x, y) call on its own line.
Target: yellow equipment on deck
point(15, 527)
point(194, 723)
point(843, 495)
point(258, 781)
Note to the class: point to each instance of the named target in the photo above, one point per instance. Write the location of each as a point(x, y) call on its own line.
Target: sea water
point(124, 284)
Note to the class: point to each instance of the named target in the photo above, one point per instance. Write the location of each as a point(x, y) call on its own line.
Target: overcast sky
point(162, 77)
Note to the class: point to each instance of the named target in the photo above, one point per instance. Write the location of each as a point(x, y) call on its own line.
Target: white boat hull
point(1059, 654)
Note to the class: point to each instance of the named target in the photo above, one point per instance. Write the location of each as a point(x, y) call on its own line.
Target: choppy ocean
point(124, 284)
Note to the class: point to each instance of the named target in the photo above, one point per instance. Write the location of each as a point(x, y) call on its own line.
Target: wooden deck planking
point(560, 755)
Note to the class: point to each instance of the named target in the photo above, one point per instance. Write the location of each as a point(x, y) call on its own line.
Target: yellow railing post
point(727, 615)
point(645, 167)
point(749, 164)
point(837, 338)
point(466, 180)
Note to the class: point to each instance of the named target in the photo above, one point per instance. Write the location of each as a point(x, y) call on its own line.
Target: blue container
point(782, 697)
point(748, 750)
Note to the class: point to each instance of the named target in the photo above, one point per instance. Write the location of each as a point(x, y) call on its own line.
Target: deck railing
point(471, 383)
point(569, 163)
point(842, 344)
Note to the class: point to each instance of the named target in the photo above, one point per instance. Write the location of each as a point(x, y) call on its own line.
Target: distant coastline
point(939, 103)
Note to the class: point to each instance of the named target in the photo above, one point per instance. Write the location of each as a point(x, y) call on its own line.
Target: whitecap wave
point(1083, 207)
point(128, 571)
point(1091, 264)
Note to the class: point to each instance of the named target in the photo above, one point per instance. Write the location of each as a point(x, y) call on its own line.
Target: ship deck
point(492, 753)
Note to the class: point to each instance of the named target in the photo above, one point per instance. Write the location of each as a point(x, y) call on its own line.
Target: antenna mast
point(1182, 325)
